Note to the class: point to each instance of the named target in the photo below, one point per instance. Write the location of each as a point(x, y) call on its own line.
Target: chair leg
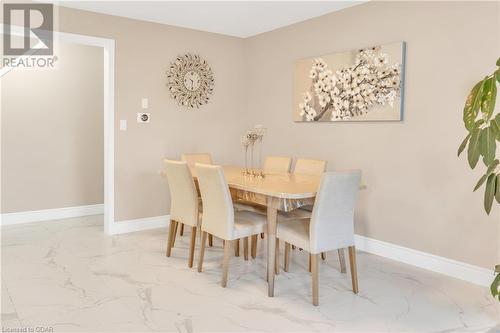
point(236, 248)
point(191, 247)
point(175, 233)
point(202, 250)
point(210, 240)
point(315, 279)
point(287, 257)
point(342, 261)
point(181, 231)
point(323, 255)
point(354, 273)
point(310, 264)
point(171, 229)
point(254, 246)
point(225, 263)
point(277, 260)
point(245, 248)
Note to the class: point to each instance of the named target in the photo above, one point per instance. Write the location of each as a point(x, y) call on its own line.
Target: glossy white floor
point(68, 275)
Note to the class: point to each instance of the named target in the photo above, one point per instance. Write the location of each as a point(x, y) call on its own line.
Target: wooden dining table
point(274, 192)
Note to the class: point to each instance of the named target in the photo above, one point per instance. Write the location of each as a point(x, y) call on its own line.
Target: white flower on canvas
point(353, 90)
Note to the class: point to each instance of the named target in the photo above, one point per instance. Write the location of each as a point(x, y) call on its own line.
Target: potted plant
point(483, 126)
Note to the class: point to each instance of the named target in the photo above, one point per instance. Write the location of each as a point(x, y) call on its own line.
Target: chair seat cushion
point(295, 232)
point(248, 223)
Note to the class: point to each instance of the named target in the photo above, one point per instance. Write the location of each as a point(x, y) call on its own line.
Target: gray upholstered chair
point(330, 227)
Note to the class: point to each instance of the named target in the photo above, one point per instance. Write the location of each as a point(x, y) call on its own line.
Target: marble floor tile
point(68, 275)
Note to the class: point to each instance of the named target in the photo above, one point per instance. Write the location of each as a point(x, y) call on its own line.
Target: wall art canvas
point(359, 85)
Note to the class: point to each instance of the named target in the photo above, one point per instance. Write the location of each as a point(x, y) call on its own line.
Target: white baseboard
point(51, 214)
point(147, 223)
point(457, 269)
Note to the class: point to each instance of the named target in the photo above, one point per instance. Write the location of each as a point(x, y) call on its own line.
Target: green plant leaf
point(480, 182)
point(495, 285)
point(497, 74)
point(489, 192)
point(497, 121)
point(473, 148)
point(497, 194)
point(488, 145)
point(498, 62)
point(472, 104)
point(492, 167)
point(495, 125)
point(488, 98)
point(463, 144)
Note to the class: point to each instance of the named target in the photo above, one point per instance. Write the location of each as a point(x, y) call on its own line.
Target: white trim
point(147, 223)
point(453, 268)
point(51, 214)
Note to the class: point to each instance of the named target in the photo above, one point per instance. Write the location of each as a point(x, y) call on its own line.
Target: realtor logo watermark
point(28, 36)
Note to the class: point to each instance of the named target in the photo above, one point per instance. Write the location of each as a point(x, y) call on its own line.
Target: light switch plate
point(145, 103)
point(123, 125)
point(143, 117)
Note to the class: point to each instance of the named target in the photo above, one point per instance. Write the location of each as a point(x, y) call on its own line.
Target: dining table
point(273, 192)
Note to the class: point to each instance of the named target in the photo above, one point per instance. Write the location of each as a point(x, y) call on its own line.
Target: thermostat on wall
point(143, 117)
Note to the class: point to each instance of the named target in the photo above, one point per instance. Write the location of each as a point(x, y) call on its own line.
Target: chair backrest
point(279, 164)
point(310, 167)
point(184, 197)
point(193, 158)
point(218, 211)
point(332, 220)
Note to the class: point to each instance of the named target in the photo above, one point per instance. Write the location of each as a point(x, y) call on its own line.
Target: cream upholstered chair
point(192, 159)
point(331, 225)
point(277, 164)
point(219, 217)
point(184, 208)
point(310, 167)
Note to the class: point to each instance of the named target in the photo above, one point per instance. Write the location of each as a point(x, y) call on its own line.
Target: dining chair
point(184, 208)
point(278, 164)
point(192, 159)
point(331, 225)
point(219, 217)
point(310, 167)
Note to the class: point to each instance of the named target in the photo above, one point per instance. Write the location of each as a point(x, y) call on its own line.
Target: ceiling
point(233, 18)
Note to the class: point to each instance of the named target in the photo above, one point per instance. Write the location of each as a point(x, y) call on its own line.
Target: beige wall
point(143, 53)
point(52, 133)
point(419, 194)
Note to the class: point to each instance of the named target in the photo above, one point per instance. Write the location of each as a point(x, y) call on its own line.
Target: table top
point(279, 185)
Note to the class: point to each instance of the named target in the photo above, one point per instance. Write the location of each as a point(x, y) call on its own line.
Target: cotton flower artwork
point(361, 85)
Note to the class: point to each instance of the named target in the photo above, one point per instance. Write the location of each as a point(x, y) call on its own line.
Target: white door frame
point(109, 113)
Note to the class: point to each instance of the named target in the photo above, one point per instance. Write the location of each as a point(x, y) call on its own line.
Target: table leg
point(272, 214)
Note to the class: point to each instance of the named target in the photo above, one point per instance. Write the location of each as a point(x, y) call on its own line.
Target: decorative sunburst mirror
point(190, 80)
